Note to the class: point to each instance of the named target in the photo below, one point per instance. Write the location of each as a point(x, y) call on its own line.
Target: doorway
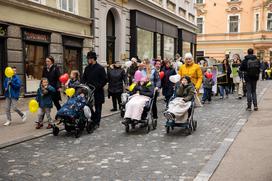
point(71, 59)
point(110, 38)
point(2, 64)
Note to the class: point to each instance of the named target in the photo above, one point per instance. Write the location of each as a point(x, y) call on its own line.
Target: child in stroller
point(138, 106)
point(75, 114)
point(181, 106)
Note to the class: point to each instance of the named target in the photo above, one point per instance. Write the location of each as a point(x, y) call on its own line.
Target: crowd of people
point(149, 77)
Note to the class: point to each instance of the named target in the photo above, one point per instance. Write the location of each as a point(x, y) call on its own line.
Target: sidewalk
point(249, 157)
point(19, 131)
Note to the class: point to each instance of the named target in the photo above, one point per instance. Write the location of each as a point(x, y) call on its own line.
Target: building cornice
point(168, 13)
point(254, 41)
point(232, 34)
point(46, 10)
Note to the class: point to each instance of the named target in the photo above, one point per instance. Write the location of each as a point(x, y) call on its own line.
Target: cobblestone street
point(111, 154)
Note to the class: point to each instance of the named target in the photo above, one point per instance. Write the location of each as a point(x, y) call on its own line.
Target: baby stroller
point(186, 121)
point(76, 113)
point(146, 121)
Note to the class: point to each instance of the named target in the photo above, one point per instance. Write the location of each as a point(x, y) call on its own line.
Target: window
point(257, 22)
point(68, 5)
point(234, 24)
point(200, 25)
point(269, 22)
point(182, 12)
point(159, 44)
point(144, 44)
point(39, 1)
point(199, 1)
point(186, 48)
point(191, 17)
point(169, 47)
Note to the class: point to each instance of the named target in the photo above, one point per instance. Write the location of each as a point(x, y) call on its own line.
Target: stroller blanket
point(178, 107)
point(135, 106)
point(72, 107)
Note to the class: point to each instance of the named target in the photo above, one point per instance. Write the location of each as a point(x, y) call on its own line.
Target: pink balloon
point(138, 76)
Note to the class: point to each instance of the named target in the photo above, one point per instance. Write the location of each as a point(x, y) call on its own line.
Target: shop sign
point(33, 36)
point(3, 31)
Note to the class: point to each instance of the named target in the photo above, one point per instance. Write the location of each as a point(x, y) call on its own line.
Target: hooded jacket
point(185, 91)
point(244, 68)
point(12, 87)
point(194, 72)
point(45, 99)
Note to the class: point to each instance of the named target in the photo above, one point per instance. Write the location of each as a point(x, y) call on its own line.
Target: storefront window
point(34, 63)
point(169, 47)
point(144, 44)
point(158, 45)
point(71, 59)
point(186, 47)
point(2, 59)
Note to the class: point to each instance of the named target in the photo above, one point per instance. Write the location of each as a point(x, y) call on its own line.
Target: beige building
point(233, 26)
point(143, 28)
point(31, 30)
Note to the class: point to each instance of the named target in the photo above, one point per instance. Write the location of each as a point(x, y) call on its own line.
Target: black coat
point(243, 67)
point(53, 78)
point(144, 90)
point(167, 85)
point(96, 76)
point(116, 78)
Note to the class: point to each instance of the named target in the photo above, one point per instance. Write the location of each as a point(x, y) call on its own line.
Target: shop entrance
point(35, 54)
point(2, 64)
point(110, 38)
point(72, 57)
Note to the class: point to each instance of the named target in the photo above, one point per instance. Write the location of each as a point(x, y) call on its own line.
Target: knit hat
point(188, 56)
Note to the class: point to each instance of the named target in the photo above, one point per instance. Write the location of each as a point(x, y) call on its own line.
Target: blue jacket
point(45, 100)
point(12, 87)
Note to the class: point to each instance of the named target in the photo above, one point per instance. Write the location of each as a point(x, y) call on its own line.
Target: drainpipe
point(92, 15)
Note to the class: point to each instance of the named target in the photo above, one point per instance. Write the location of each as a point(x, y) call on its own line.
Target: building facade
point(233, 26)
point(143, 28)
point(32, 30)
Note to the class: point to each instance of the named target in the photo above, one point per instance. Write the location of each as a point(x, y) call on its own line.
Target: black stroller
point(146, 121)
point(76, 115)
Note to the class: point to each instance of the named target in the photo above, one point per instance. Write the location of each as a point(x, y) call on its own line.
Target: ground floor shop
point(27, 48)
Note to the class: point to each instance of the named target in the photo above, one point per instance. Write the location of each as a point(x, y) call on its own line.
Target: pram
point(186, 121)
point(76, 113)
point(146, 120)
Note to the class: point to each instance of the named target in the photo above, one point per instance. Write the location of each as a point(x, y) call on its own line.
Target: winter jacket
point(208, 83)
point(194, 72)
point(53, 78)
point(12, 87)
point(73, 83)
point(187, 92)
point(244, 68)
point(146, 89)
point(167, 85)
point(155, 78)
point(95, 75)
point(116, 78)
point(44, 97)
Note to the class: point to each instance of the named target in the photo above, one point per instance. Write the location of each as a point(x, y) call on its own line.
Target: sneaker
point(255, 108)
point(49, 126)
point(248, 108)
point(203, 102)
point(7, 123)
point(24, 117)
point(221, 97)
point(39, 126)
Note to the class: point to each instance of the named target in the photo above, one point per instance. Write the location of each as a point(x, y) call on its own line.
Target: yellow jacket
point(194, 72)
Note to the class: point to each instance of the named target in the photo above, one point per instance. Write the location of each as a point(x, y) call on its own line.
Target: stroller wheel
point(148, 128)
point(189, 129)
point(89, 127)
point(127, 128)
point(77, 132)
point(167, 129)
point(122, 112)
point(55, 130)
point(194, 125)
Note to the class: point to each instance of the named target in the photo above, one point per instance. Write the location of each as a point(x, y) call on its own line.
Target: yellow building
point(233, 26)
point(31, 30)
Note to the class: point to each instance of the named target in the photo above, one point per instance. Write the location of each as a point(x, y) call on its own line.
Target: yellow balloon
point(9, 72)
point(132, 86)
point(70, 92)
point(33, 106)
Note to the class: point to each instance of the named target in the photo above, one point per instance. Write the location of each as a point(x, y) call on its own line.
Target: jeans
point(42, 112)
point(116, 97)
point(251, 92)
point(223, 89)
point(207, 95)
point(11, 103)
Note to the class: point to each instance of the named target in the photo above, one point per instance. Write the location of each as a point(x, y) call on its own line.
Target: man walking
point(95, 75)
point(251, 66)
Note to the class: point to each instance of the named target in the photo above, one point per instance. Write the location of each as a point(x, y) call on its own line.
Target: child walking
point(44, 98)
point(12, 91)
point(207, 85)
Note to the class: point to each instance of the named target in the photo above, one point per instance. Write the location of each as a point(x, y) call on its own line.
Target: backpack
point(253, 68)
